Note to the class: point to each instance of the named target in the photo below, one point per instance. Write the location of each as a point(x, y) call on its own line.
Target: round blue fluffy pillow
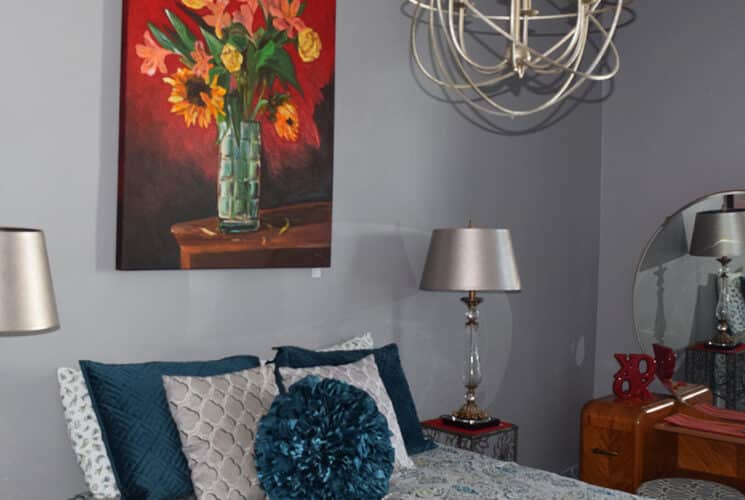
point(324, 439)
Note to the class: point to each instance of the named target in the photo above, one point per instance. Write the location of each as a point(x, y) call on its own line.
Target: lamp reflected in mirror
point(686, 300)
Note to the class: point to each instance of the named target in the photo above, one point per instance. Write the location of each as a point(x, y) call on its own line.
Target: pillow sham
point(95, 464)
point(324, 439)
point(391, 372)
point(356, 343)
point(217, 418)
point(364, 375)
point(141, 438)
point(85, 434)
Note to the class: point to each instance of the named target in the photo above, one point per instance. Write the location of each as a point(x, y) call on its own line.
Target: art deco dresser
point(625, 444)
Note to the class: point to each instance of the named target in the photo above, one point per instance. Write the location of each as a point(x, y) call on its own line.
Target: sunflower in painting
point(286, 122)
point(197, 99)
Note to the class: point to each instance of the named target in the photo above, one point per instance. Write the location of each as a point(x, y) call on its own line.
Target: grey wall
point(405, 163)
point(672, 132)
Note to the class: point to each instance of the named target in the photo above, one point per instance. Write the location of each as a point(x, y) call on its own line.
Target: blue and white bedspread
point(450, 474)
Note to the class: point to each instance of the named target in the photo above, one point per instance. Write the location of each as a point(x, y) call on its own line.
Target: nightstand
point(722, 371)
point(499, 441)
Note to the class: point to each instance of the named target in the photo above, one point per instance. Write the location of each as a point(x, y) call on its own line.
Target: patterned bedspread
point(450, 474)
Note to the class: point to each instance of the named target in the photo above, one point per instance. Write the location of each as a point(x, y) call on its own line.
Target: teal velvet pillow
point(324, 439)
point(141, 438)
point(391, 371)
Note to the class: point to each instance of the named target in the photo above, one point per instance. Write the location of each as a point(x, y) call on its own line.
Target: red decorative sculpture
point(665, 358)
point(629, 383)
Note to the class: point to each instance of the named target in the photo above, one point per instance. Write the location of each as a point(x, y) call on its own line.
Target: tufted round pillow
point(679, 488)
point(324, 439)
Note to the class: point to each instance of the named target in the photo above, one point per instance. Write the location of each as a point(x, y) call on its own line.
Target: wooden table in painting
point(294, 236)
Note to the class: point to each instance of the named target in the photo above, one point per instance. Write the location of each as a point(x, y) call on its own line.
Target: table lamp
point(27, 304)
point(720, 234)
point(471, 260)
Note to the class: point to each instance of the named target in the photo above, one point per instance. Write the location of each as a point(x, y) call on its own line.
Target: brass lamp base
point(723, 340)
point(470, 411)
point(470, 415)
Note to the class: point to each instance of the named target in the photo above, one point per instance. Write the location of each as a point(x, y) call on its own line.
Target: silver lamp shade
point(719, 234)
point(471, 259)
point(27, 302)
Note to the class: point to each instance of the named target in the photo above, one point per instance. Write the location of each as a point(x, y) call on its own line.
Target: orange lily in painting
point(217, 17)
point(246, 14)
point(286, 16)
point(153, 56)
point(202, 65)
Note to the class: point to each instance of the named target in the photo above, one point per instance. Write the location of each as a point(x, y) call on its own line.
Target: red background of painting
point(146, 98)
point(168, 171)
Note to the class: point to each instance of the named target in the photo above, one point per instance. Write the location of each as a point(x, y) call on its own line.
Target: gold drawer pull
point(598, 451)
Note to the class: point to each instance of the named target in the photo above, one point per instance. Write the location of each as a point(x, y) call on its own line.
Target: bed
point(450, 473)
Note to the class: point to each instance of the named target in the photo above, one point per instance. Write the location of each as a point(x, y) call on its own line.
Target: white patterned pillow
point(354, 344)
point(85, 434)
point(364, 375)
point(736, 305)
point(217, 418)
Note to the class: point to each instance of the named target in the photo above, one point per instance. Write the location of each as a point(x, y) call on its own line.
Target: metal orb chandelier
point(568, 63)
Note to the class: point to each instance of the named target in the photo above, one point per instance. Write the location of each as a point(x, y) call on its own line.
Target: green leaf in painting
point(214, 44)
point(198, 20)
point(239, 41)
point(162, 38)
point(282, 65)
point(171, 43)
point(281, 38)
point(183, 32)
point(266, 54)
point(223, 76)
point(235, 113)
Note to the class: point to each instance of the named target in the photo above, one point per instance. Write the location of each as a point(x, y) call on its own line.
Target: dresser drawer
point(608, 458)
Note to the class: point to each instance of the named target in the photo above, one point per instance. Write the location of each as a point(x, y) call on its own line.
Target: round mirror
point(676, 293)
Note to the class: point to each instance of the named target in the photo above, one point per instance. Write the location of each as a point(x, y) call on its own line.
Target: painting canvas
point(226, 134)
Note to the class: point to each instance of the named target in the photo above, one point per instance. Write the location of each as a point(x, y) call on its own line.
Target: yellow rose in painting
point(195, 4)
point(308, 45)
point(231, 58)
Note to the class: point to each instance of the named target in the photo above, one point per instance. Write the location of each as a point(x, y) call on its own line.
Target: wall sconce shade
point(27, 303)
point(471, 259)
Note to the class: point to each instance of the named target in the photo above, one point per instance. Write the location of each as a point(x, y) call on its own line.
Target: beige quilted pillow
point(364, 375)
point(217, 418)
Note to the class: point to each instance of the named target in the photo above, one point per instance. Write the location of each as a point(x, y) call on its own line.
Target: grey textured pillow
point(217, 419)
point(364, 375)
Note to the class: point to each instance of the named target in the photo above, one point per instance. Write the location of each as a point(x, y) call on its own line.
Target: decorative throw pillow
point(96, 465)
point(324, 439)
point(217, 418)
point(736, 305)
point(141, 438)
point(364, 375)
point(389, 366)
point(85, 434)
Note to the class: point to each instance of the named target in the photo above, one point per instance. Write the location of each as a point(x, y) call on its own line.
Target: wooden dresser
point(616, 437)
point(625, 444)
